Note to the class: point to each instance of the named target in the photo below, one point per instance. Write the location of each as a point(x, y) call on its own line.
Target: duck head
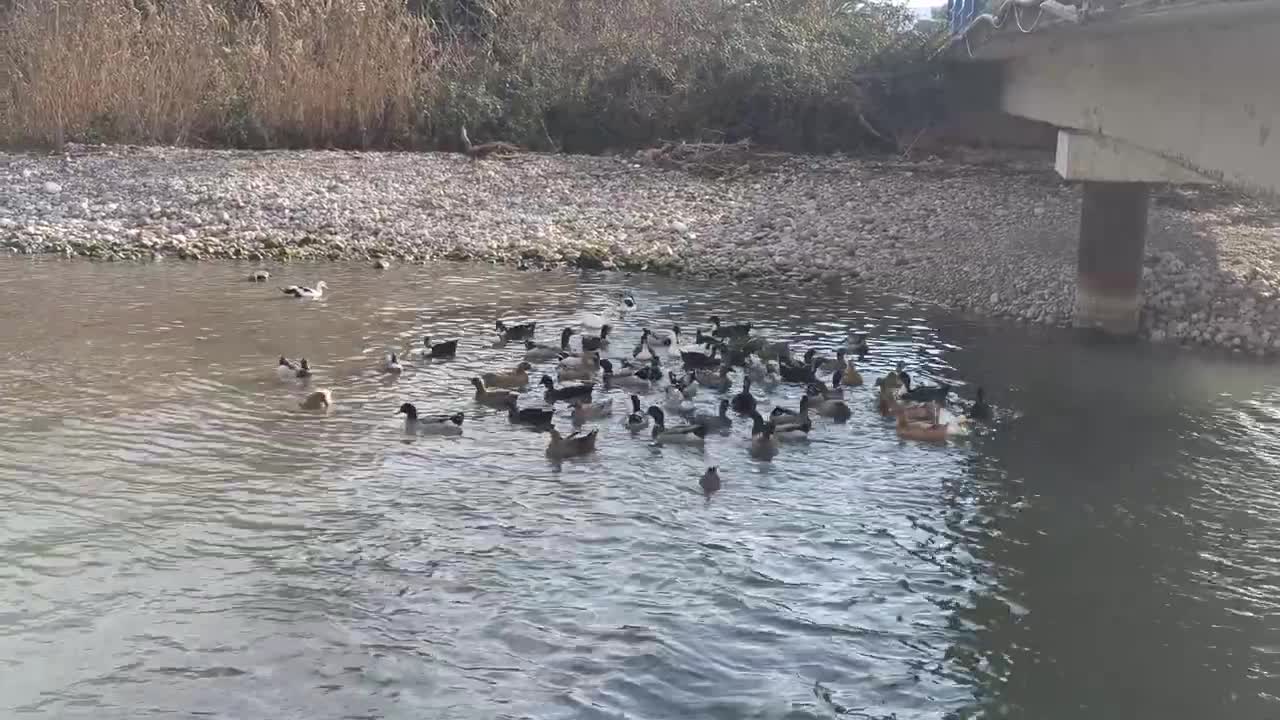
point(409, 411)
point(547, 381)
point(655, 412)
point(715, 320)
point(478, 383)
point(426, 341)
point(304, 365)
point(809, 355)
point(284, 362)
point(836, 378)
point(565, 334)
point(635, 403)
point(524, 366)
point(724, 407)
point(605, 330)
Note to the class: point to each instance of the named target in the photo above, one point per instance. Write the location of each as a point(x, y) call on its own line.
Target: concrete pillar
point(1113, 228)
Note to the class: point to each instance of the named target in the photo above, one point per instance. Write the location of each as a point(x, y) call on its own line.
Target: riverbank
point(993, 238)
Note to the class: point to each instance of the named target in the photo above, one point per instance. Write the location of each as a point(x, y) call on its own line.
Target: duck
point(589, 359)
point(515, 332)
point(289, 369)
point(391, 365)
point(687, 386)
point(924, 393)
point(584, 410)
point(781, 430)
point(492, 398)
point(643, 352)
point(690, 434)
point(775, 351)
point(565, 392)
point(728, 331)
point(710, 481)
point(695, 360)
point(535, 351)
point(629, 381)
point(652, 372)
point(979, 410)
point(516, 379)
point(675, 401)
point(926, 431)
point(849, 376)
point(573, 446)
point(838, 363)
point(666, 339)
point(320, 400)
point(430, 425)
point(717, 380)
point(259, 276)
point(304, 370)
point(798, 373)
point(528, 416)
point(304, 292)
point(637, 419)
point(719, 421)
point(627, 302)
point(837, 410)
point(785, 415)
point(819, 389)
point(439, 351)
point(597, 343)
point(744, 402)
point(578, 371)
point(764, 443)
point(858, 346)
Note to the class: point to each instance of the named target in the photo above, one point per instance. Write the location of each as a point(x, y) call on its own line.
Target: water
point(179, 540)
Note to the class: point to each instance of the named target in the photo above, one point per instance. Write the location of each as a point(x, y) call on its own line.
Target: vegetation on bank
point(575, 75)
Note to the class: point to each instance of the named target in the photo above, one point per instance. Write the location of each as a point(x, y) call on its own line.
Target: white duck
point(304, 292)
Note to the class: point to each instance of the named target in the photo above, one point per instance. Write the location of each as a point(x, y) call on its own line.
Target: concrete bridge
point(1172, 91)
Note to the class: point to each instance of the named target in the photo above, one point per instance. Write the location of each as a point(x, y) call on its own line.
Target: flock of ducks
point(661, 374)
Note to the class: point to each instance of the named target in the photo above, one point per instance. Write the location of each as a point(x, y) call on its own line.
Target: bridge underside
point(1186, 94)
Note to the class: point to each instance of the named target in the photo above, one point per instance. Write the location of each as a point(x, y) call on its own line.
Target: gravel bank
point(995, 240)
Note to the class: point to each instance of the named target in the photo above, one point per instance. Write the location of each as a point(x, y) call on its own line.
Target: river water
point(178, 540)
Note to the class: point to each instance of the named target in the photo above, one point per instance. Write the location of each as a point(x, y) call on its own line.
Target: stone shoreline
point(995, 237)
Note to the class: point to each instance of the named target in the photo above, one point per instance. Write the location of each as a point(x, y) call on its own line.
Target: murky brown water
point(178, 540)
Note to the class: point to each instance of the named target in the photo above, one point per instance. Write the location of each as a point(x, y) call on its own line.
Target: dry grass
point(583, 74)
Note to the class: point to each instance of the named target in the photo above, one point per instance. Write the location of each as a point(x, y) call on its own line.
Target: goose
point(572, 446)
point(781, 430)
point(527, 416)
point(565, 392)
point(690, 434)
point(259, 276)
point(628, 382)
point(439, 351)
point(638, 419)
point(744, 402)
point(727, 331)
point(888, 405)
point(710, 481)
point(495, 149)
point(819, 389)
point(535, 351)
point(979, 410)
point(516, 379)
point(586, 410)
point(784, 415)
point(597, 343)
point(849, 377)
point(320, 400)
point(306, 293)
point(431, 425)
point(391, 365)
point(719, 421)
point(925, 393)
point(515, 332)
point(492, 398)
point(675, 401)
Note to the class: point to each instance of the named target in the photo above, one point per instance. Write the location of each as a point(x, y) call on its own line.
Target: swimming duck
point(848, 376)
point(306, 293)
point(516, 379)
point(430, 425)
point(565, 392)
point(727, 331)
point(391, 365)
point(710, 481)
point(527, 416)
point(597, 343)
point(578, 371)
point(781, 430)
point(786, 415)
point(764, 443)
point(675, 401)
point(259, 276)
point(515, 332)
point(653, 372)
point(320, 400)
point(926, 431)
point(835, 409)
point(696, 360)
point(289, 369)
point(535, 351)
point(630, 381)
point(492, 398)
point(627, 302)
point(744, 402)
point(798, 373)
point(979, 410)
point(925, 393)
point(831, 365)
point(584, 410)
point(439, 351)
point(573, 446)
point(304, 370)
point(590, 359)
point(717, 380)
point(719, 421)
point(637, 419)
point(665, 339)
point(776, 351)
point(690, 434)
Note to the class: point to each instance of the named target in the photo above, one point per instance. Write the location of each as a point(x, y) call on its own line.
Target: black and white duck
point(528, 416)
point(509, 333)
point(535, 351)
point(430, 424)
point(565, 392)
point(688, 434)
point(304, 292)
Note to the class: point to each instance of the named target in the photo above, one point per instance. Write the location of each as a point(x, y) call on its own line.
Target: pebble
point(914, 228)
